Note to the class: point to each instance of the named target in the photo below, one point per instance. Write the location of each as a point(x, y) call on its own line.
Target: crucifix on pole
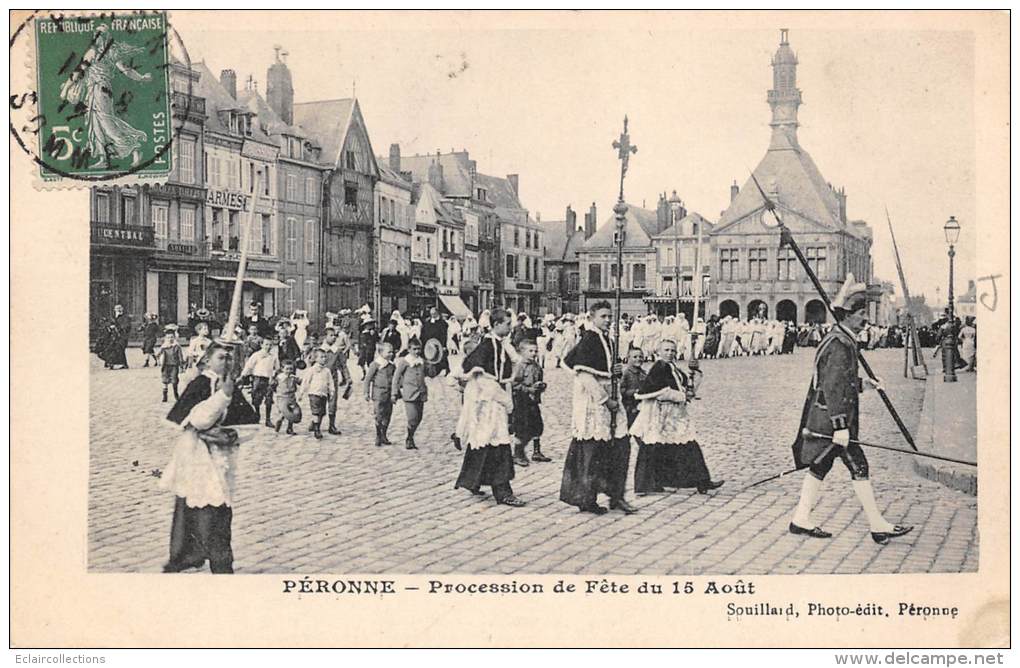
point(624, 150)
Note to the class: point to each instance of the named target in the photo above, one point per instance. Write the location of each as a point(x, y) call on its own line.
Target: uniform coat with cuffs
point(832, 404)
point(597, 461)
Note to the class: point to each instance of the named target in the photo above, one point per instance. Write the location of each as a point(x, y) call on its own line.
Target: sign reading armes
point(227, 198)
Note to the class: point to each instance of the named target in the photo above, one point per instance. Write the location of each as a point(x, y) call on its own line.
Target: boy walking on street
point(285, 385)
point(319, 387)
point(409, 385)
point(171, 356)
point(336, 362)
point(526, 420)
point(378, 388)
point(262, 367)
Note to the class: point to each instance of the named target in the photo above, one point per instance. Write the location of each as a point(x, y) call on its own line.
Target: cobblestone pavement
point(341, 505)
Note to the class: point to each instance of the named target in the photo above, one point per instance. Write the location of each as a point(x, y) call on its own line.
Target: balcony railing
point(221, 244)
point(183, 101)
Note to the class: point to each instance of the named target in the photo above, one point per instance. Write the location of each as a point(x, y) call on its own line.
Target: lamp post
point(952, 231)
point(674, 207)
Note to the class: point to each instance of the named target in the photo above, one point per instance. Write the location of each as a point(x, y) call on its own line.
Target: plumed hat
point(851, 294)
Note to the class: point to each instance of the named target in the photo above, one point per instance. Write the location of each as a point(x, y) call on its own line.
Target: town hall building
point(750, 268)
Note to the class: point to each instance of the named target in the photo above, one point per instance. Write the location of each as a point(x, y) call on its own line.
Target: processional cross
point(625, 149)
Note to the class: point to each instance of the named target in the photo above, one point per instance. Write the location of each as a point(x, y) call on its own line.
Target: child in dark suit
point(526, 420)
point(633, 376)
point(378, 388)
point(409, 385)
point(285, 386)
point(171, 357)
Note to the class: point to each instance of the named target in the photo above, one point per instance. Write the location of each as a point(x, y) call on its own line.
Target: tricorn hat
point(851, 294)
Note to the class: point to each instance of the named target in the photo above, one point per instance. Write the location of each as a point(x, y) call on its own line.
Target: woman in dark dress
point(712, 336)
point(116, 347)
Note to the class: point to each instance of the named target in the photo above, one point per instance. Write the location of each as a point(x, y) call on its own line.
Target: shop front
point(261, 285)
point(118, 259)
point(397, 293)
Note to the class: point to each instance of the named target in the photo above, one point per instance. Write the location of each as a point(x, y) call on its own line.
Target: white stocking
point(808, 495)
point(866, 495)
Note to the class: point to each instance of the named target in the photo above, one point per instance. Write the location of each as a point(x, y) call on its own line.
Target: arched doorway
point(729, 308)
point(786, 311)
point(752, 308)
point(814, 312)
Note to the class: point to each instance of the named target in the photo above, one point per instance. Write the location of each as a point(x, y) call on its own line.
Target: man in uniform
point(831, 412)
point(599, 454)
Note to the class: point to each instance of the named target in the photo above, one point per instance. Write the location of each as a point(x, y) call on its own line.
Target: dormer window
point(480, 194)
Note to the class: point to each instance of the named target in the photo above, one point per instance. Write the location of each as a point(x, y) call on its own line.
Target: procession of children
point(500, 385)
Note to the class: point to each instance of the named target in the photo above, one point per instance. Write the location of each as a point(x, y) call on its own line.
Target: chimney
point(395, 157)
point(538, 216)
point(734, 189)
point(435, 175)
point(280, 87)
point(228, 78)
point(590, 221)
point(662, 220)
point(571, 223)
point(514, 180)
point(842, 204)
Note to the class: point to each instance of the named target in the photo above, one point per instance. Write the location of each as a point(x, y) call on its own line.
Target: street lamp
point(674, 206)
point(952, 231)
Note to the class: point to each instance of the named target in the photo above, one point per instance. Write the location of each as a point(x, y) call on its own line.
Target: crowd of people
point(287, 366)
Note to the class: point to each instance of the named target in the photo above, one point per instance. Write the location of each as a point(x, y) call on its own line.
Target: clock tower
point(784, 97)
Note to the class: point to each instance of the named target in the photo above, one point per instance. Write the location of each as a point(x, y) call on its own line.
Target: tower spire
point(784, 97)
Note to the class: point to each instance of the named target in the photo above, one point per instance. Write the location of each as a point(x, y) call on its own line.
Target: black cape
point(490, 357)
point(589, 355)
point(198, 390)
point(660, 377)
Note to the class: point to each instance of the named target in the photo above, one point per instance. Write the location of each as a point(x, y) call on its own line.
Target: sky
point(887, 114)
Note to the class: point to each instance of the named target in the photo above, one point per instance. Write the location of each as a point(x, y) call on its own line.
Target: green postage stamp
point(103, 96)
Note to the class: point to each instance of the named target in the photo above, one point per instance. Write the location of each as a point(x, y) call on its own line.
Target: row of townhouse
point(328, 223)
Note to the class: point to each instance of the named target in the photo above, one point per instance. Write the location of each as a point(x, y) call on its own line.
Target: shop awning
point(455, 305)
point(269, 283)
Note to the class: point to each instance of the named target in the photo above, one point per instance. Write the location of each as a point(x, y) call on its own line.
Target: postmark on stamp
point(103, 96)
